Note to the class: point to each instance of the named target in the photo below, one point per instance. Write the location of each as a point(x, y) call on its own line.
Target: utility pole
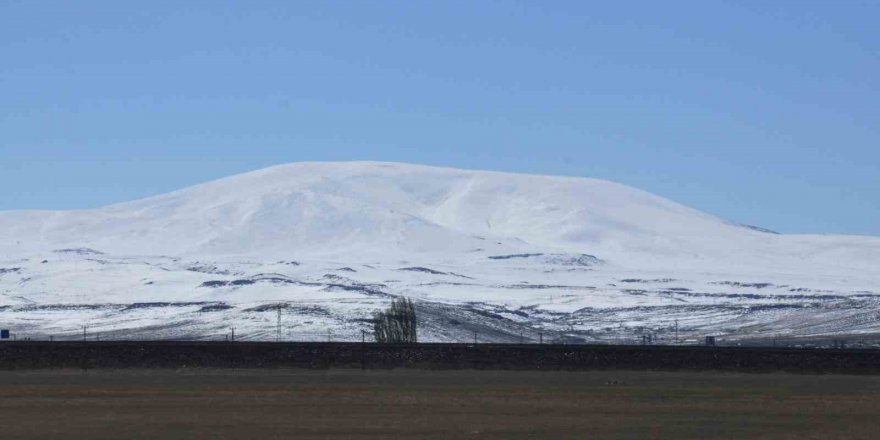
point(233, 334)
point(540, 338)
point(278, 324)
point(676, 333)
point(363, 349)
point(475, 337)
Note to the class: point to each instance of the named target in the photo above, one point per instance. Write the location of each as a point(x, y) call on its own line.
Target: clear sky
point(761, 112)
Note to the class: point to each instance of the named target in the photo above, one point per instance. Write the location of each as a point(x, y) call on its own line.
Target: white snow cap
point(368, 210)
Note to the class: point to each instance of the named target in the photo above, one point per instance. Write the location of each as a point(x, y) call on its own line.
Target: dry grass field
point(413, 404)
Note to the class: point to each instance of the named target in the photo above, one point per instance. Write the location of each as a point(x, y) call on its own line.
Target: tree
point(397, 324)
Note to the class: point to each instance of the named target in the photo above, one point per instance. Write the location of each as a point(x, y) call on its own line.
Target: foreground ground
point(329, 404)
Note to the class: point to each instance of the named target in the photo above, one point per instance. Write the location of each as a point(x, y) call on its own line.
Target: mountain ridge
point(500, 253)
point(362, 207)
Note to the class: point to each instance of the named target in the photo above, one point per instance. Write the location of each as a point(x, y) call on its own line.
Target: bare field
point(354, 404)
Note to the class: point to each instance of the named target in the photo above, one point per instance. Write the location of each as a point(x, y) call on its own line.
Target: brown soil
point(403, 404)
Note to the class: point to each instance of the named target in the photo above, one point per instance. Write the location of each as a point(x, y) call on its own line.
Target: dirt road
point(404, 404)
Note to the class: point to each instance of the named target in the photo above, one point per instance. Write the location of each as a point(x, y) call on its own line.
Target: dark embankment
point(41, 355)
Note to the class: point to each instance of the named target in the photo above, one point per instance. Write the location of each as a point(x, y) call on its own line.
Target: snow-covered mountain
point(502, 253)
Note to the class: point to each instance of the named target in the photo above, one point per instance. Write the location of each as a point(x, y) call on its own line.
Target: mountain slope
point(492, 252)
point(379, 208)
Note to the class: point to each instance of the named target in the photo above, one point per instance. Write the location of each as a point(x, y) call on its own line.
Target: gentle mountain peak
point(382, 209)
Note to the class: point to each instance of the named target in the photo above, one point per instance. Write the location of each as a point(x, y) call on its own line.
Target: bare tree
point(397, 324)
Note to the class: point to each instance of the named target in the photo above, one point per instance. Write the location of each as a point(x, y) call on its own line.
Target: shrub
point(397, 324)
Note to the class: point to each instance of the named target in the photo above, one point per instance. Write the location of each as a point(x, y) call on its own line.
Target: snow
point(572, 240)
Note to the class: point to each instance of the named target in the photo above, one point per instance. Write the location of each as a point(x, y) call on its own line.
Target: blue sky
point(760, 112)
